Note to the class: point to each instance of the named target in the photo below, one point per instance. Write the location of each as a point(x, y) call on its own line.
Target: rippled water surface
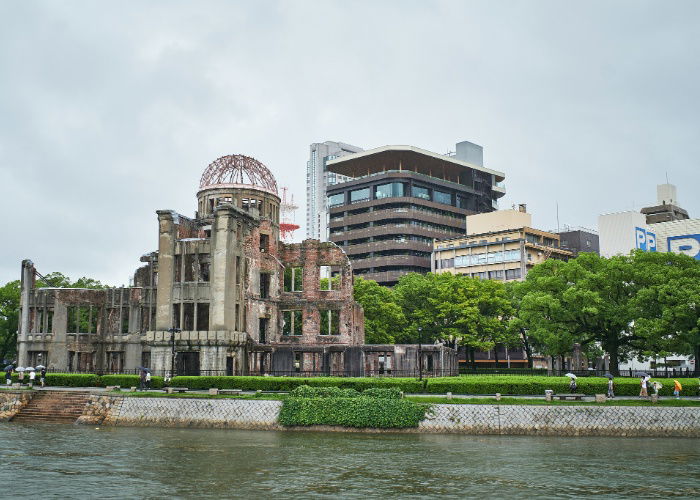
point(87, 462)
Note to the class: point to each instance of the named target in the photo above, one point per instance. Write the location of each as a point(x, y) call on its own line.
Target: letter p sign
point(645, 240)
point(687, 245)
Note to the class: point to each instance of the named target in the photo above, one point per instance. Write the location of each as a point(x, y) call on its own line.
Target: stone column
point(27, 283)
point(166, 257)
point(222, 275)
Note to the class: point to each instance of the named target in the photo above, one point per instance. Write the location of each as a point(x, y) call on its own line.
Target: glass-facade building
point(397, 201)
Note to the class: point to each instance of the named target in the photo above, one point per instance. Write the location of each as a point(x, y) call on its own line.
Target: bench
point(234, 392)
point(170, 390)
point(566, 397)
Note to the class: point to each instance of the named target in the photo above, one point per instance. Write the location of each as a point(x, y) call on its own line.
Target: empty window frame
point(262, 330)
point(264, 242)
point(330, 322)
point(82, 319)
point(265, 285)
point(188, 316)
point(204, 261)
point(189, 266)
point(202, 316)
point(328, 278)
point(292, 322)
point(176, 315)
point(293, 279)
point(124, 326)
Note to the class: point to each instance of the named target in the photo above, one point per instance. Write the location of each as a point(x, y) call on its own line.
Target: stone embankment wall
point(564, 420)
point(444, 418)
point(11, 402)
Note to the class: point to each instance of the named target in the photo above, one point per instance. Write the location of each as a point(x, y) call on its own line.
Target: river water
point(60, 461)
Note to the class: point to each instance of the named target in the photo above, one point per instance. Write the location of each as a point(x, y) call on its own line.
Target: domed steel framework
point(238, 170)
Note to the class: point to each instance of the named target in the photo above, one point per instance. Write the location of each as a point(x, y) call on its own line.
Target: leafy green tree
point(602, 302)
point(9, 318)
point(384, 319)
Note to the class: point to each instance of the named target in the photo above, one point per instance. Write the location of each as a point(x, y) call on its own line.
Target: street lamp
point(420, 353)
point(173, 331)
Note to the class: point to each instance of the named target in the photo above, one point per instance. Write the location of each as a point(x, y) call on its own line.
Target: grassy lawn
point(542, 402)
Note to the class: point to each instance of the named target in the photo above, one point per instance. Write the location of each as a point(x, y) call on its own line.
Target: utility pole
point(420, 353)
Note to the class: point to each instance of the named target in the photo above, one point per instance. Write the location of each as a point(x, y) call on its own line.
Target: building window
point(359, 195)
point(82, 319)
point(265, 285)
point(264, 242)
point(202, 317)
point(329, 280)
point(335, 200)
point(292, 322)
point(496, 275)
point(262, 330)
point(440, 197)
point(330, 322)
point(125, 320)
point(512, 274)
point(420, 192)
point(204, 266)
point(293, 279)
point(391, 190)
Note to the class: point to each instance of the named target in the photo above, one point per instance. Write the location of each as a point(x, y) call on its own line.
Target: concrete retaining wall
point(11, 402)
point(444, 418)
point(564, 420)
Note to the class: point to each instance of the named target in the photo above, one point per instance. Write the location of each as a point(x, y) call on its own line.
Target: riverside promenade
point(197, 409)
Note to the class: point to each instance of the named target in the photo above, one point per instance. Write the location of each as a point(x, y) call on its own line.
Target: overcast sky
point(110, 111)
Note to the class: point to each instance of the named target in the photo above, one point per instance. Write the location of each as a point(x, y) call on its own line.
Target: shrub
point(71, 379)
point(352, 412)
point(306, 391)
point(525, 385)
point(391, 393)
point(290, 383)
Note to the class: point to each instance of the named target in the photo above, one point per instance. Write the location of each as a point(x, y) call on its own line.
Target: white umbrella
point(30, 369)
point(19, 369)
point(39, 367)
point(571, 375)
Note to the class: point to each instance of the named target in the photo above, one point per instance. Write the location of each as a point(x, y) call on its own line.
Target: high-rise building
point(317, 178)
point(399, 199)
point(666, 208)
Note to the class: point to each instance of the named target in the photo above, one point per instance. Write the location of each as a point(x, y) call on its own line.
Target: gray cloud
point(110, 111)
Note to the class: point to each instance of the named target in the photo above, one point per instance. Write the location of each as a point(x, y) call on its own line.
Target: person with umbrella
point(677, 388)
point(20, 375)
point(643, 383)
point(8, 374)
point(611, 386)
point(42, 374)
point(148, 379)
point(656, 386)
point(572, 382)
point(32, 376)
point(142, 378)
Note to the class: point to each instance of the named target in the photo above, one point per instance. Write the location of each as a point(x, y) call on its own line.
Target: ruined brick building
point(221, 295)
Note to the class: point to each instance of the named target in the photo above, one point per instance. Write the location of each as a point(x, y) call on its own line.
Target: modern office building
point(672, 231)
point(400, 199)
point(500, 245)
point(317, 178)
point(579, 240)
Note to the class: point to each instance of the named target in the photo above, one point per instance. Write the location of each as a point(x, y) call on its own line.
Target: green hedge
point(90, 380)
point(306, 391)
point(129, 381)
point(527, 385)
point(352, 412)
point(290, 383)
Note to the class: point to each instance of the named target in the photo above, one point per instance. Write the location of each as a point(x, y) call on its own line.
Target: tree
point(596, 301)
point(9, 318)
point(384, 319)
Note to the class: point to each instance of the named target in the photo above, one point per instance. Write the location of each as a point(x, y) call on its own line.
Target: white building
point(317, 178)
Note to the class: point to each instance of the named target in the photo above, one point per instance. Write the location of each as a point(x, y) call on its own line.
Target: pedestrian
point(572, 385)
point(656, 386)
point(42, 376)
point(677, 388)
point(611, 388)
point(148, 381)
point(142, 380)
point(32, 376)
point(643, 392)
point(21, 378)
point(8, 375)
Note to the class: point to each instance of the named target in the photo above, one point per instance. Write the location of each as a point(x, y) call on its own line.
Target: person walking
point(21, 378)
point(611, 388)
point(8, 375)
point(42, 376)
point(677, 388)
point(656, 386)
point(148, 381)
point(572, 385)
point(643, 392)
point(142, 380)
point(32, 376)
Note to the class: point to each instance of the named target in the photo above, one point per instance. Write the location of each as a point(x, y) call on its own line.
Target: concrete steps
point(54, 406)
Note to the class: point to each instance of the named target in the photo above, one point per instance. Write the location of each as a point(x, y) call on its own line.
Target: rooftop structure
point(398, 200)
